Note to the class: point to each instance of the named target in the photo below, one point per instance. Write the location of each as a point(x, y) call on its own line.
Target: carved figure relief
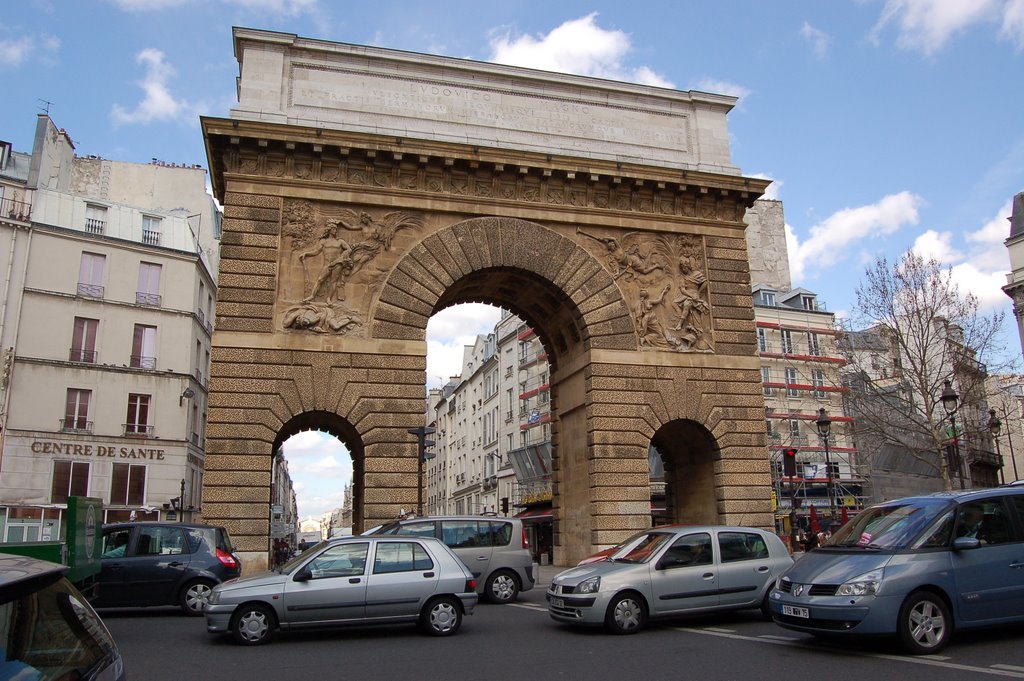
point(332, 246)
point(665, 277)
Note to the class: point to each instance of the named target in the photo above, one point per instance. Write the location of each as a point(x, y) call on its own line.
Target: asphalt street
point(520, 641)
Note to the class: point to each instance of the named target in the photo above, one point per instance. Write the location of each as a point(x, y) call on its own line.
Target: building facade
point(106, 333)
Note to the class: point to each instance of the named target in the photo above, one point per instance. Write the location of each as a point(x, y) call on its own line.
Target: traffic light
point(424, 443)
point(504, 505)
point(789, 462)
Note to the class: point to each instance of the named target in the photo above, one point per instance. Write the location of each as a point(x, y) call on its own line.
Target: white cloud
point(278, 7)
point(16, 51)
point(449, 331)
point(927, 25)
point(577, 46)
point(985, 285)
point(932, 245)
point(158, 104)
point(148, 5)
point(818, 39)
point(832, 239)
point(996, 230)
point(774, 190)
point(1013, 23)
point(721, 87)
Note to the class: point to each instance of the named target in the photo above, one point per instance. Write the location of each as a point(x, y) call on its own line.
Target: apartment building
point(800, 376)
point(106, 319)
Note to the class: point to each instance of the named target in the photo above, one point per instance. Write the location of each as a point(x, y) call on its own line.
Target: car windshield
point(892, 525)
point(642, 547)
point(52, 634)
point(293, 563)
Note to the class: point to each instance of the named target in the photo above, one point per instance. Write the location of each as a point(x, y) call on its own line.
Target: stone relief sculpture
point(665, 276)
point(332, 246)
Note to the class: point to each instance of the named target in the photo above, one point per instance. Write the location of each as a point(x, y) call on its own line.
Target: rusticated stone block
point(237, 494)
point(238, 511)
point(252, 200)
point(638, 465)
point(618, 479)
point(250, 213)
point(244, 325)
point(245, 282)
point(233, 477)
point(250, 253)
point(622, 493)
point(250, 267)
point(744, 490)
point(238, 463)
point(243, 236)
point(599, 508)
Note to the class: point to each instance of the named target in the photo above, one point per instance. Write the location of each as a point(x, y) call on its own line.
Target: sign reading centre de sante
point(111, 451)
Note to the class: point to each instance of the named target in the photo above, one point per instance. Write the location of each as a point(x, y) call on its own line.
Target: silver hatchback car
point(671, 571)
point(495, 549)
point(348, 581)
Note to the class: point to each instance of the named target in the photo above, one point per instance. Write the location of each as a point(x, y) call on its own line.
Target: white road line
point(780, 638)
point(528, 606)
point(719, 630)
point(1008, 667)
point(930, 661)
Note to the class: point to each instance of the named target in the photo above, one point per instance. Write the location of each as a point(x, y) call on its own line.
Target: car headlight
point(588, 586)
point(214, 598)
point(863, 585)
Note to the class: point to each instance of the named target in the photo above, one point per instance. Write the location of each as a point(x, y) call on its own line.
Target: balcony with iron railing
point(15, 209)
point(82, 355)
point(143, 362)
point(149, 299)
point(150, 237)
point(137, 430)
point(76, 425)
point(90, 290)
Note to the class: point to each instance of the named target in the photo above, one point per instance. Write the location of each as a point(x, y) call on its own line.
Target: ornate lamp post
point(995, 425)
point(949, 403)
point(824, 424)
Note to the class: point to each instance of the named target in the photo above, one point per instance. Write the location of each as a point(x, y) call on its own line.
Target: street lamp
point(949, 403)
point(995, 425)
point(824, 424)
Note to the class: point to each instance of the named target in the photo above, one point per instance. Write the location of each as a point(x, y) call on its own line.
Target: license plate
point(794, 611)
point(557, 603)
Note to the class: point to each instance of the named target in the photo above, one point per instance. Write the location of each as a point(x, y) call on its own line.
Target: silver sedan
point(671, 571)
point(352, 580)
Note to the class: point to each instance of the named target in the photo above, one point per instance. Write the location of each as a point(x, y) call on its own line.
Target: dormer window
point(808, 302)
point(768, 298)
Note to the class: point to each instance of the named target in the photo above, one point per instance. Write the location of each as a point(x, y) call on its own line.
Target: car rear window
point(224, 540)
point(501, 533)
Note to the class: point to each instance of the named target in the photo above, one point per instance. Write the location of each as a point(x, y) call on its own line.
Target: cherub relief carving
point(665, 277)
point(333, 246)
point(629, 261)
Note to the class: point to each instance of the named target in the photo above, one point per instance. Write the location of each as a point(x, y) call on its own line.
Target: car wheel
point(252, 625)
point(627, 614)
point(194, 596)
point(501, 587)
point(441, 617)
point(925, 625)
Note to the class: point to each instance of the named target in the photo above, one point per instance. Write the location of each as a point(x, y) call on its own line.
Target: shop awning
point(535, 515)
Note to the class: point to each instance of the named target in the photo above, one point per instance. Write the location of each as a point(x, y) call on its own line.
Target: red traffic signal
point(789, 462)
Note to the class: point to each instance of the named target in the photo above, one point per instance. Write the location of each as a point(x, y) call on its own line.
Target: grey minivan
point(917, 567)
point(496, 550)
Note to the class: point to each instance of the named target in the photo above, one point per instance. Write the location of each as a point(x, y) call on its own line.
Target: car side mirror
point(966, 543)
point(303, 575)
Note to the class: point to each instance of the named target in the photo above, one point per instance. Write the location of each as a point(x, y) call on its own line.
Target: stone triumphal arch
point(366, 189)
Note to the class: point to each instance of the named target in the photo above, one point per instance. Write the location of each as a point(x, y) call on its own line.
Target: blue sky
point(886, 125)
